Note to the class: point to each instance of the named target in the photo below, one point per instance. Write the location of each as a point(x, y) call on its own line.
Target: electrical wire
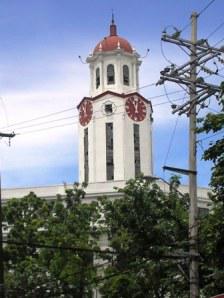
point(4, 109)
point(76, 122)
point(17, 124)
point(162, 95)
point(213, 110)
point(48, 122)
point(199, 14)
point(166, 102)
point(206, 7)
point(62, 111)
point(215, 30)
point(163, 53)
point(221, 40)
point(166, 93)
point(171, 140)
point(58, 247)
point(38, 118)
point(172, 135)
point(209, 137)
point(47, 128)
point(183, 50)
point(185, 27)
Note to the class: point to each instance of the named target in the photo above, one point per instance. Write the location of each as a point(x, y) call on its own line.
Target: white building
point(115, 125)
point(115, 139)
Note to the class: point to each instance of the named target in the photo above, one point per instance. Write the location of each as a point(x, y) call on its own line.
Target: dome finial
point(112, 20)
point(113, 27)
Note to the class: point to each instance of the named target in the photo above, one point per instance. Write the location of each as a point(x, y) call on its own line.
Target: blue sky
point(40, 73)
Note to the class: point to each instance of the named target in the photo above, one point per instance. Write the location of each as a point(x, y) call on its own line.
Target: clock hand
point(84, 109)
point(136, 105)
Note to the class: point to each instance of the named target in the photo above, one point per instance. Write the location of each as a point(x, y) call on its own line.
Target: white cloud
point(52, 87)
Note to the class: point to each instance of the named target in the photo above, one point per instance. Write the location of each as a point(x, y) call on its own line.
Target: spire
point(113, 27)
point(112, 21)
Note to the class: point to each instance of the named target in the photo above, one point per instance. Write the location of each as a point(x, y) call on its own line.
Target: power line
point(199, 14)
point(166, 102)
point(206, 7)
point(185, 27)
point(215, 30)
point(47, 128)
point(76, 122)
point(76, 115)
point(47, 122)
point(58, 247)
point(213, 110)
point(209, 137)
point(65, 110)
point(221, 40)
point(39, 117)
point(171, 140)
point(164, 94)
point(167, 95)
point(183, 50)
point(163, 53)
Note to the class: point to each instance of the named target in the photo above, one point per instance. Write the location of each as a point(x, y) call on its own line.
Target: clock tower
point(115, 140)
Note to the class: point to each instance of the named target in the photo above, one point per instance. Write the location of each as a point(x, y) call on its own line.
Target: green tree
point(212, 225)
point(148, 230)
point(33, 271)
point(24, 218)
point(214, 124)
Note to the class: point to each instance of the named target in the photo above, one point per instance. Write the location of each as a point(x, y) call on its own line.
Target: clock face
point(85, 112)
point(135, 108)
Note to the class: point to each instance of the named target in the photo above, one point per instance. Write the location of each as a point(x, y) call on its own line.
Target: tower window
point(86, 156)
point(109, 151)
point(137, 150)
point(126, 75)
point(108, 109)
point(110, 74)
point(97, 77)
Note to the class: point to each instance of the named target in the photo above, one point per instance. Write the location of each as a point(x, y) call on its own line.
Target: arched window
point(126, 75)
point(97, 77)
point(110, 74)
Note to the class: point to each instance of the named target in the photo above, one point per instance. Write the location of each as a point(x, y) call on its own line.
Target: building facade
point(115, 126)
point(115, 120)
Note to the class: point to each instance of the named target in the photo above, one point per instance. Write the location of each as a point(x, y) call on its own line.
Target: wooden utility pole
point(200, 52)
point(193, 212)
point(2, 288)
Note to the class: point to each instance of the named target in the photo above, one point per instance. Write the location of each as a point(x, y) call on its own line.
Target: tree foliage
point(211, 243)
point(147, 229)
point(214, 123)
point(33, 271)
point(212, 225)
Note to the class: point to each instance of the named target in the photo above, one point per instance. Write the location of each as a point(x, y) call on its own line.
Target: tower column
point(92, 87)
point(118, 78)
point(102, 74)
point(135, 76)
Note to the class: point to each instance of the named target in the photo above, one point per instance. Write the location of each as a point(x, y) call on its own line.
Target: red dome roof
point(113, 42)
